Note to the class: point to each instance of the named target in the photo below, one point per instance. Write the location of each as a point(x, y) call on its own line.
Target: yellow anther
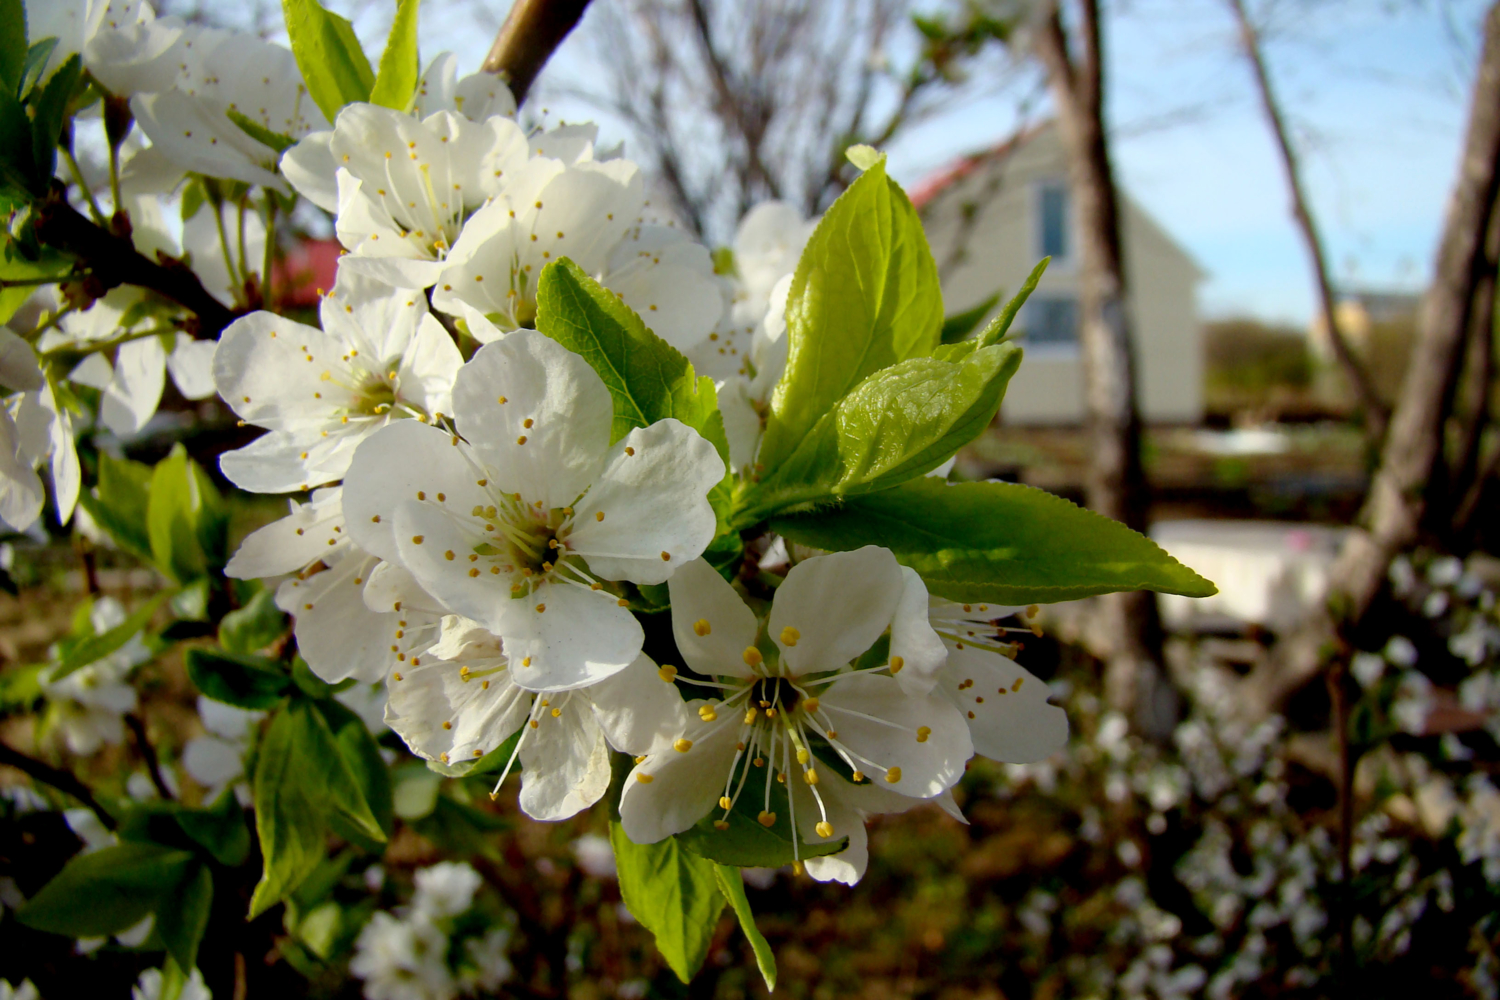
point(478, 752)
point(447, 725)
point(750, 716)
point(752, 657)
point(641, 759)
point(721, 825)
point(810, 776)
point(789, 636)
point(521, 439)
point(630, 451)
point(857, 777)
point(666, 557)
point(526, 662)
point(922, 733)
point(824, 829)
point(725, 802)
point(682, 746)
point(500, 400)
point(803, 756)
point(443, 758)
point(667, 672)
point(448, 555)
point(810, 705)
point(759, 762)
point(397, 676)
point(796, 868)
point(644, 779)
point(701, 627)
point(623, 603)
point(766, 818)
point(540, 608)
point(893, 775)
point(556, 712)
point(896, 664)
point(416, 539)
point(707, 713)
point(1017, 685)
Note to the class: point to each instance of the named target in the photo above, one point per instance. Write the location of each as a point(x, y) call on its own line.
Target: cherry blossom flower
point(519, 518)
point(87, 706)
point(121, 42)
point(807, 694)
point(379, 357)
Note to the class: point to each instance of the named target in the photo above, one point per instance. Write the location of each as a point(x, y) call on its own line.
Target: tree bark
point(1116, 485)
point(1397, 506)
point(1371, 405)
point(531, 33)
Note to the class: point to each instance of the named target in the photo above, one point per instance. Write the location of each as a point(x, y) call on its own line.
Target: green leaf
point(12, 44)
point(747, 844)
point(329, 55)
point(255, 626)
point(291, 802)
point(899, 423)
point(96, 647)
point(673, 894)
point(1000, 325)
point(37, 57)
point(119, 503)
point(182, 917)
point(255, 130)
point(106, 891)
point(397, 80)
point(220, 829)
point(862, 156)
point(186, 520)
point(865, 296)
point(362, 792)
point(998, 542)
point(238, 679)
point(960, 325)
point(17, 163)
point(732, 885)
point(51, 265)
point(48, 113)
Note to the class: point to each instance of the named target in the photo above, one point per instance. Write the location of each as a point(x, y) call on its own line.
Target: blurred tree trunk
point(1135, 682)
point(1405, 501)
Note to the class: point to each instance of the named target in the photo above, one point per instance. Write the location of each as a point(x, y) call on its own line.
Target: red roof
point(935, 183)
point(307, 271)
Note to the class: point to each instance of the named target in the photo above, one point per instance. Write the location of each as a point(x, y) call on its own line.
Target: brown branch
point(531, 33)
point(1373, 407)
point(113, 261)
point(63, 781)
point(137, 727)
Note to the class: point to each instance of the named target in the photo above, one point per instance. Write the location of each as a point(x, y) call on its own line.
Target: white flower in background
point(518, 518)
point(1004, 703)
point(402, 960)
point(589, 212)
point(487, 968)
point(461, 702)
point(767, 246)
point(121, 43)
point(152, 986)
point(806, 693)
point(217, 758)
point(219, 72)
point(404, 185)
point(26, 991)
point(445, 889)
point(88, 705)
point(379, 357)
point(476, 97)
point(21, 491)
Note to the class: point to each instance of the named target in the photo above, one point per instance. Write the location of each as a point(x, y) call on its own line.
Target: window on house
point(1052, 322)
point(1052, 220)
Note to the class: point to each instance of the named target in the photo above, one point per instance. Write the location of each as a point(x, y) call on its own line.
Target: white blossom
point(402, 960)
point(87, 706)
point(445, 890)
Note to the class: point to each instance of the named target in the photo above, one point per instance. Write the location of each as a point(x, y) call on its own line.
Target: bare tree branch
point(527, 39)
point(63, 781)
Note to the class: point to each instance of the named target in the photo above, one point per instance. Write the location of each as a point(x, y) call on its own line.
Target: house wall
point(983, 228)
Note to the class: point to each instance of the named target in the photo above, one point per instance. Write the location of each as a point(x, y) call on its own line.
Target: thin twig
point(63, 781)
point(137, 727)
point(531, 33)
point(1339, 693)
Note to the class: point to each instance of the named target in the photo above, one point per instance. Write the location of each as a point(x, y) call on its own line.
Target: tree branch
point(137, 727)
point(1375, 412)
point(113, 261)
point(531, 33)
point(63, 781)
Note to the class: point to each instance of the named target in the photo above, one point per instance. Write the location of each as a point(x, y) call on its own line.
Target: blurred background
point(1266, 336)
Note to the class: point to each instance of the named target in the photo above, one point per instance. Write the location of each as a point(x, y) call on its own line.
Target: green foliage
point(48, 114)
point(732, 885)
point(396, 82)
point(186, 520)
point(96, 647)
point(899, 423)
point(12, 44)
point(959, 325)
point(238, 679)
point(119, 502)
point(674, 894)
point(219, 829)
point(37, 57)
point(748, 844)
point(363, 798)
point(17, 268)
point(329, 55)
point(865, 296)
point(998, 542)
point(182, 919)
point(255, 626)
point(108, 890)
point(255, 130)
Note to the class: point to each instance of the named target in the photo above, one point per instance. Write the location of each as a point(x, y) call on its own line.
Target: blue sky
point(1377, 90)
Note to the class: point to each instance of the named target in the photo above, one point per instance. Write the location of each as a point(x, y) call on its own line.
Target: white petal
point(742, 424)
point(201, 241)
point(668, 280)
point(135, 390)
point(435, 85)
point(704, 600)
point(210, 761)
point(391, 587)
point(371, 316)
point(582, 638)
point(683, 786)
point(311, 169)
point(390, 467)
point(568, 143)
point(564, 763)
point(265, 375)
point(434, 545)
point(653, 492)
point(1009, 723)
point(21, 493)
point(94, 371)
point(568, 409)
point(67, 476)
point(191, 366)
point(637, 709)
point(201, 138)
point(913, 639)
point(838, 604)
point(18, 365)
point(399, 272)
point(430, 366)
point(847, 866)
point(479, 717)
point(292, 543)
point(336, 634)
point(929, 765)
point(483, 95)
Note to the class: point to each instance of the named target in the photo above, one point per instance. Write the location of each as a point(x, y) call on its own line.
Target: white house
point(991, 216)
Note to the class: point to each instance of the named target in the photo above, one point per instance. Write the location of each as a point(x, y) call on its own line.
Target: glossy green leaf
point(998, 542)
point(1000, 325)
point(732, 885)
point(329, 55)
point(182, 915)
point(748, 844)
point(255, 130)
point(864, 296)
point(106, 891)
point(673, 894)
point(12, 44)
point(219, 829)
point(255, 626)
point(959, 325)
point(186, 520)
point(96, 647)
point(37, 57)
point(238, 679)
point(899, 423)
point(119, 503)
point(291, 801)
point(362, 792)
point(396, 81)
point(49, 111)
